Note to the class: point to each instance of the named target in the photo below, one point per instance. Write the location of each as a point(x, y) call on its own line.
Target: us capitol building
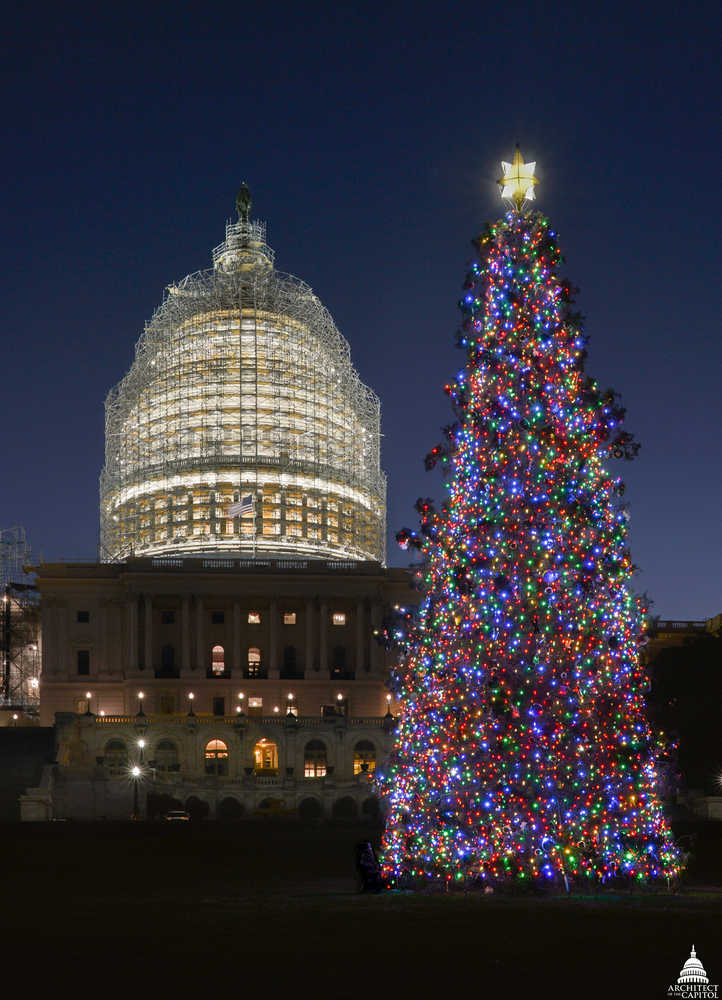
point(221, 657)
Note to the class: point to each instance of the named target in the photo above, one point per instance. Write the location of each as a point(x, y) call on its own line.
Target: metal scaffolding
point(242, 386)
point(20, 653)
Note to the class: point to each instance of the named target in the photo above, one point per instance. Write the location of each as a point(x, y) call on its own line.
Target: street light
point(191, 696)
point(141, 745)
point(88, 696)
point(388, 705)
point(135, 773)
point(141, 696)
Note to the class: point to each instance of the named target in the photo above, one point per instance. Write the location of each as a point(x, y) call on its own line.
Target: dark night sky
point(370, 136)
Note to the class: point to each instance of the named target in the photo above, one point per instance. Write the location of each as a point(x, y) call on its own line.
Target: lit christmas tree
point(523, 751)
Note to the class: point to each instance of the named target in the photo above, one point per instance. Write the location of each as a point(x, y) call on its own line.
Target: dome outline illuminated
point(242, 384)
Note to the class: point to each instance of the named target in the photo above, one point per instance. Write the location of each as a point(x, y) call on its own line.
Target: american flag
point(244, 506)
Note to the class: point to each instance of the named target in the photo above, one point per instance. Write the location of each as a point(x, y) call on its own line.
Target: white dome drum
point(242, 386)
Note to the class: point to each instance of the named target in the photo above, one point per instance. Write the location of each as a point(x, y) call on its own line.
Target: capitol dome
point(692, 971)
point(242, 392)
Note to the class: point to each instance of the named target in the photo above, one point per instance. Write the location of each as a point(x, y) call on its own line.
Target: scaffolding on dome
point(242, 387)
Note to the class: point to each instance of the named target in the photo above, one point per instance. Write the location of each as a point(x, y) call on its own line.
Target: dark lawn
point(116, 909)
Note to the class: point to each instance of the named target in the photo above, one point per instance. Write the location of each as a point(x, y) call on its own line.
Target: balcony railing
point(303, 721)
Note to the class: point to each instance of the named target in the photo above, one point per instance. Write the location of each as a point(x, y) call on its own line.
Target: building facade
point(235, 686)
point(222, 654)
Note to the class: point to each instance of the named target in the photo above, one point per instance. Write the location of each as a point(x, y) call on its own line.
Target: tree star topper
point(518, 180)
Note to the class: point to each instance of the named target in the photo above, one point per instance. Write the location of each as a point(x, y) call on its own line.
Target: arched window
point(265, 755)
point(314, 760)
point(166, 756)
point(116, 758)
point(364, 757)
point(216, 757)
point(218, 661)
point(254, 662)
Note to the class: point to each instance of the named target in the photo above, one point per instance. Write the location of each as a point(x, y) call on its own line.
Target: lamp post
point(191, 696)
point(88, 696)
point(141, 696)
point(135, 773)
point(241, 696)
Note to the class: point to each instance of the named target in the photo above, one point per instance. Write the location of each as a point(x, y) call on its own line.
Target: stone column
point(360, 644)
point(185, 634)
point(132, 635)
point(200, 643)
point(148, 651)
point(49, 642)
point(308, 655)
point(323, 638)
point(273, 665)
point(102, 666)
point(236, 650)
point(375, 653)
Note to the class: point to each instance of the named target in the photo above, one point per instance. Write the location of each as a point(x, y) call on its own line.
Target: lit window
point(364, 757)
point(216, 755)
point(314, 761)
point(265, 754)
point(338, 618)
point(289, 617)
point(254, 617)
point(255, 706)
point(218, 664)
point(254, 662)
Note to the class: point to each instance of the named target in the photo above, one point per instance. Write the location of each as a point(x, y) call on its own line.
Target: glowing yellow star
point(518, 180)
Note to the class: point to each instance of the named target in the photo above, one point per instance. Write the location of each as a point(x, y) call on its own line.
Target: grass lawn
point(271, 909)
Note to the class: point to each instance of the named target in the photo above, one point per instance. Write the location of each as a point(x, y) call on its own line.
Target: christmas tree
point(522, 750)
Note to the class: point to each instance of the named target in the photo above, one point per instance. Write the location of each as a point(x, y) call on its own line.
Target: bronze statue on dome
point(243, 203)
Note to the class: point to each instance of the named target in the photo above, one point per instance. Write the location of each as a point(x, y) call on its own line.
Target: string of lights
point(523, 751)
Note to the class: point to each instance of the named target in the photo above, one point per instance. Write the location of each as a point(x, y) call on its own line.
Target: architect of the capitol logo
point(693, 981)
